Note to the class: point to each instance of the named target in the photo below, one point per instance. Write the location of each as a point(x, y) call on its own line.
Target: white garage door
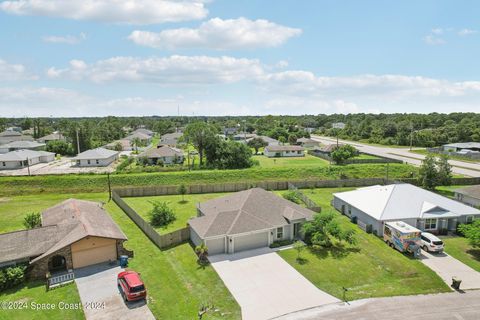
point(215, 246)
point(251, 241)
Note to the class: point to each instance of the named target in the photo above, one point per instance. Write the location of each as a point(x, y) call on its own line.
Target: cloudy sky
point(223, 57)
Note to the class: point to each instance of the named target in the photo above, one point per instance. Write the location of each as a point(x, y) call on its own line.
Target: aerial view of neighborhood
point(255, 160)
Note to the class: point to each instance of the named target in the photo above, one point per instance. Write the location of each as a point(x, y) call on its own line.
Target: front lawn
point(369, 269)
point(460, 249)
point(33, 297)
point(184, 210)
point(289, 162)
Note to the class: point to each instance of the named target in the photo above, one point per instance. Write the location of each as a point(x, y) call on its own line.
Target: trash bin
point(456, 283)
point(123, 261)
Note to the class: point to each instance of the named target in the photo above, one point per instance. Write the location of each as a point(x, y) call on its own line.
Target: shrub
point(161, 214)
point(292, 196)
point(281, 243)
point(32, 220)
point(12, 276)
point(124, 164)
point(202, 253)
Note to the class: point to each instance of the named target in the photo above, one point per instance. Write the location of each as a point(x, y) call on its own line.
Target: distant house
point(170, 139)
point(308, 143)
point(422, 209)
point(309, 130)
point(270, 141)
point(144, 138)
point(230, 131)
point(99, 157)
point(246, 220)
point(469, 195)
point(243, 137)
point(14, 128)
point(125, 144)
point(20, 145)
point(56, 136)
point(23, 158)
point(464, 147)
point(163, 154)
point(8, 136)
point(326, 150)
point(73, 234)
point(284, 151)
point(144, 131)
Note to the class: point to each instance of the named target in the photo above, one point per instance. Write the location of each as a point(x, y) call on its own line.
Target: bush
point(124, 164)
point(281, 243)
point(12, 276)
point(32, 220)
point(161, 214)
point(292, 196)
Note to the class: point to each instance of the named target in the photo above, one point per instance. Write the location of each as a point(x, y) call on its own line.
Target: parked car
point(431, 243)
point(131, 286)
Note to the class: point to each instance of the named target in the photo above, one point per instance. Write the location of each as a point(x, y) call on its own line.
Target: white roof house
point(405, 202)
point(23, 158)
point(18, 145)
point(96, 157)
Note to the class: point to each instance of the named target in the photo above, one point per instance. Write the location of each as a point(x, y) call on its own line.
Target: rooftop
point(22, 155)
point(163, 151)
point(23, 145)
point(98, 153)
point(465, 145)
point(284, 148)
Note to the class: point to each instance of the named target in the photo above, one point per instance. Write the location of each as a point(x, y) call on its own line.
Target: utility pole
point(78, 142)
point(28, 165)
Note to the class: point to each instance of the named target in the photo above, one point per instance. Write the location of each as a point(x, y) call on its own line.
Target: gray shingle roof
point(23, 145)
point(138, 135)
point(98, 153)
point(465, 145)
point(52, 137)
point(245, 211)
point(22, 155)
point(284, 148)
point(163, 151)
point(10, 133)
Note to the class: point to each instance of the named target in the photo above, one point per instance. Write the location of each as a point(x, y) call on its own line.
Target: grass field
point(453, 157)
point(369, 269)
point(10, 186)
point(459, 248)
point(178, 286)
point(290, 162)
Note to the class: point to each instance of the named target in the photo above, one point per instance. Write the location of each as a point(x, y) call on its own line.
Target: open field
point(178, 286)
point(369, 269)
point(460, 249)
point(10, 186)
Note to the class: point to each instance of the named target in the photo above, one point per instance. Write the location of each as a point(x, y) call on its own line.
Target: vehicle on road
point(131, 286)
point(431, 243)
point(403, 237)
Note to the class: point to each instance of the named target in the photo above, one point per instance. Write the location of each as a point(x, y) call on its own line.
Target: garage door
point(251, 241)
point(215, 246)
point(93, 250)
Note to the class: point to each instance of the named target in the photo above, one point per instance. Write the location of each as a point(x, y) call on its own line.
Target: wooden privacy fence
point(312, 205)
point(162, 241)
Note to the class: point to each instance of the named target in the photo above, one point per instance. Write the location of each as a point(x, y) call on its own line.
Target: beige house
point(74, 234)
point(246, 220)
point(284, 151)
point(99, 157)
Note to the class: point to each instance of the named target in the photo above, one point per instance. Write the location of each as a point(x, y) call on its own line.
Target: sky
point(250, 57)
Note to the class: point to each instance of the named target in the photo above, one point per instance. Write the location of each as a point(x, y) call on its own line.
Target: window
point(469, 219)
point(88, 161)
point(4, 164)
point(430, 224)
point(97, 161)
point(425, 239)
point(349, 210)
point(280, 233)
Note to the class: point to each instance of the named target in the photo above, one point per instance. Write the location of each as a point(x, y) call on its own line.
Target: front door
point(296, 229)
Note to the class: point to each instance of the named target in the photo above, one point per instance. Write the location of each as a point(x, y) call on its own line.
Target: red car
point(131, 286)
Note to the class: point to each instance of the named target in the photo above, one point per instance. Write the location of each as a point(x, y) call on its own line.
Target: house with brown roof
point(246, 220)
point(163, 154)
point(73, 234)
point(284, 151)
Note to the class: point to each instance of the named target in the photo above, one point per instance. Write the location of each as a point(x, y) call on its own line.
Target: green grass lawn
point(290, 162)
point(365, 156)
point(459, 248)
point(33, 294)
point(369, 269)
point(184, 210)
point(452, 156)
point(177, 285)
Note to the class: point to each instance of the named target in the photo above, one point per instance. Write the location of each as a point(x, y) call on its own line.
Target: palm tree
point(135, 142)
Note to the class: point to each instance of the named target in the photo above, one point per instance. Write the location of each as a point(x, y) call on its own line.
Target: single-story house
point(73, 234)
point(284, 151)
point(246, 220)
point(308, 143)
point(23, 158)
point(243, 137)
point(21, 145)
point(230, 131)
point(469, 195)
point(462, 146)
point(164, 154)
point(170, 139)
point(425, 210)
point(144, 131)
point(328, 149)
point(56, 136)
point(125, 144)
point(144, 138)
point(267, 139)
point(309, 129)
point(8, 136)
point(99, 157)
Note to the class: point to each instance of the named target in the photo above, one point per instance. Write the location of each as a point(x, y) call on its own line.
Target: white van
point(431, 243)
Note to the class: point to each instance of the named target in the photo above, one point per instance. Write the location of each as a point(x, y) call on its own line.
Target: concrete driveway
point(447, 267)
point(101, 299)
point(266, 286)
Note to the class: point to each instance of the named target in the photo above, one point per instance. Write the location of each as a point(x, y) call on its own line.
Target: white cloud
point(68, 39)
point(219, 34)
point(433, 40)
point(140, 12)
point(466, 32)
point(437, 31)
point(173, 70)
point(14, 72)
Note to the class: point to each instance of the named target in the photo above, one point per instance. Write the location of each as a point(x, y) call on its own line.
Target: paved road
point(459, 167)
point(98, 284)
point(447, 267)
point(445, 306)
point(265, 285)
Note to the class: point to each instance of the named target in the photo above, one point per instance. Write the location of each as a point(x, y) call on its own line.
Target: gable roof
point(307, 140)
point(22, 155)
point(471, 191)
point(246, 211)
point(139, 135)
point(404, 201)
point(62, 225)
point(163, 151)
point(23, 145)
point(10, 133)
point(144, 131)
point(98, 153)
point(52, 137)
